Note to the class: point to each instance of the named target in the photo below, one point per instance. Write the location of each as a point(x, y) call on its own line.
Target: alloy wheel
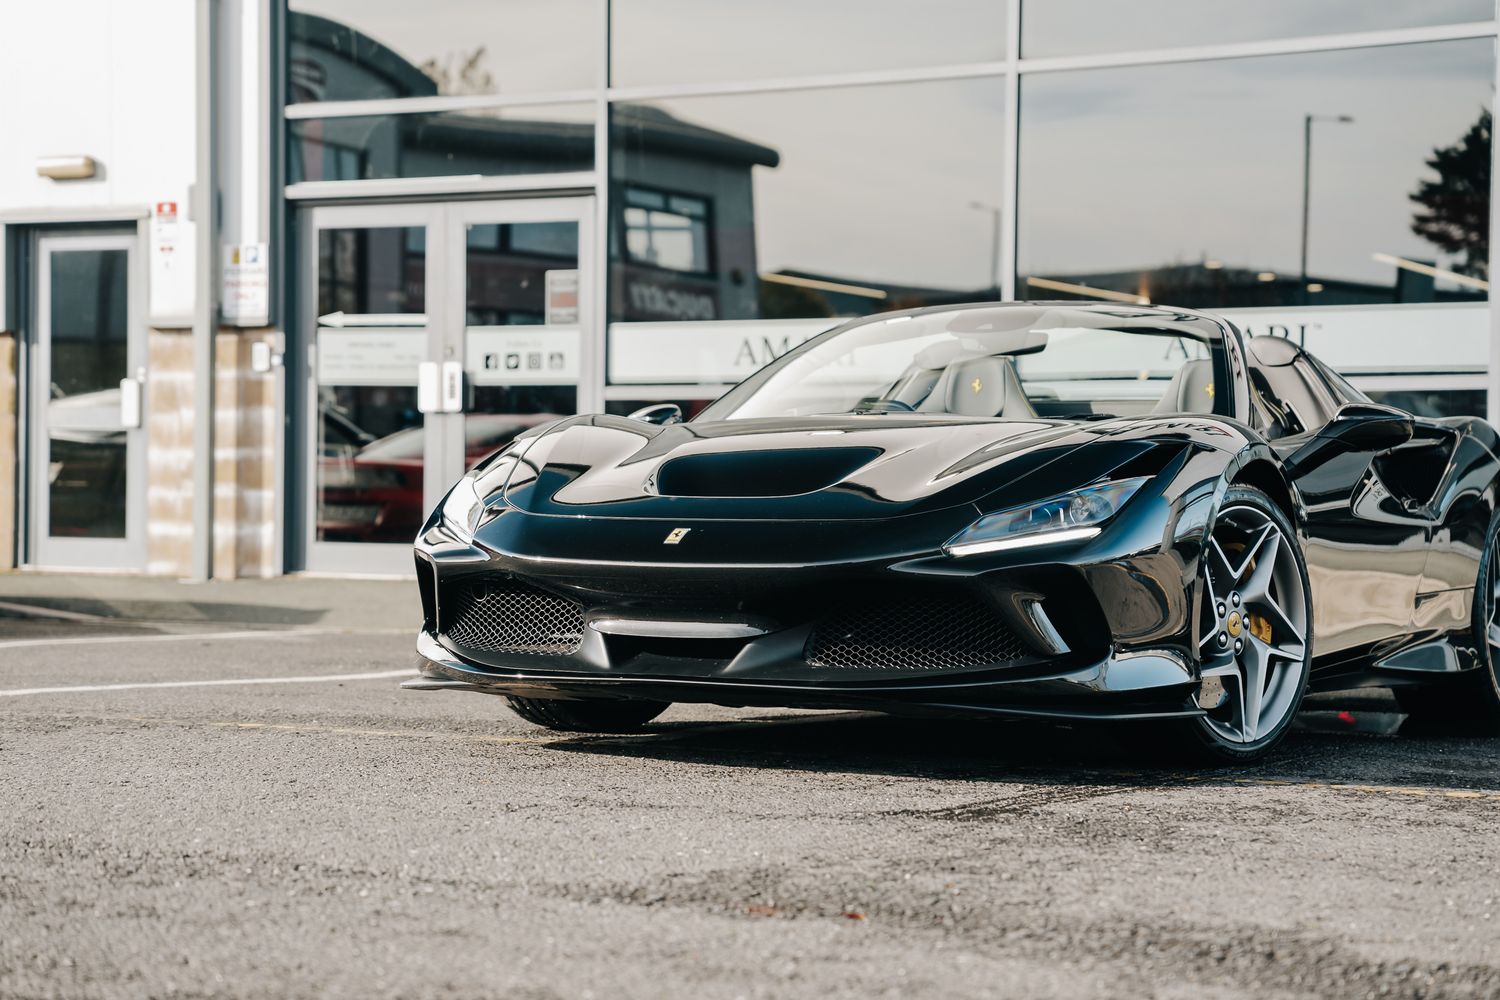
point(1254, 642)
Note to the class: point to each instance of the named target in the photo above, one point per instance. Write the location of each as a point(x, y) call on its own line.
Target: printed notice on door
point(522, 355)
point(370, 356)
point(246, 294)
point(562, 298)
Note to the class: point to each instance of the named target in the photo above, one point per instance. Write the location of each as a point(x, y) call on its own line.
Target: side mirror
point(659, 413)
point(1355, 427)
point(1369, 427)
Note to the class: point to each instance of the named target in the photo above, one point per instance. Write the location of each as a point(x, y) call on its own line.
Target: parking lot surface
point(197, 808)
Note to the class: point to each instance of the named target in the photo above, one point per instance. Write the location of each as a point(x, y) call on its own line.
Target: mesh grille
point(926, 633)
point(507, 616)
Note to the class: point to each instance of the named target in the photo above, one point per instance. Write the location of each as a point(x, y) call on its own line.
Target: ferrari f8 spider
point(1036, 509)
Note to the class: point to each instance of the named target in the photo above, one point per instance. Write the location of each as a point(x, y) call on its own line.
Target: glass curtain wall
point(387, 89)
point(775, 167)
point(1325, 178)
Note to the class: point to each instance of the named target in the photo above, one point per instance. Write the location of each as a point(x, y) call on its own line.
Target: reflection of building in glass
point(684, 247)
point(328, 60)
point(1213, 284)
point(688, 248)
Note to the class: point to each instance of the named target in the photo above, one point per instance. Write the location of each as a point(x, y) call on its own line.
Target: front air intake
point(921, 633)
point(502, 615)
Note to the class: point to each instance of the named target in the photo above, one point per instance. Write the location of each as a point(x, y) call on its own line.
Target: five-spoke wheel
point(1255, 632)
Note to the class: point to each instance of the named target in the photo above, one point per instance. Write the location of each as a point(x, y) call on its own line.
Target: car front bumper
point(1136, 686)
point(1097, 629)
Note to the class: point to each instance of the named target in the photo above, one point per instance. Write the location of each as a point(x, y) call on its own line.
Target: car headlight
point(1070, 517)
point(461, 509)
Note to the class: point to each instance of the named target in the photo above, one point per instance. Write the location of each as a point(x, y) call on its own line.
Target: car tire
point(598, 716)
point(1471, 699)
point(1279, 607)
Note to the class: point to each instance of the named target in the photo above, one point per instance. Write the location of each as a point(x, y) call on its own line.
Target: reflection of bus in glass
point(370, 489)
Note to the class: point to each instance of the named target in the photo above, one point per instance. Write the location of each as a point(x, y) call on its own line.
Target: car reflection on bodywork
point(374, 492)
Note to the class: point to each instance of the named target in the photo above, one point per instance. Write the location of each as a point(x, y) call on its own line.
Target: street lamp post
point(994, 243)
point(1307, 124)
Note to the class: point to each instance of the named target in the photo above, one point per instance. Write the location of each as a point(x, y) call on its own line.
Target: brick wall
point(245, 456)
point(169, 453)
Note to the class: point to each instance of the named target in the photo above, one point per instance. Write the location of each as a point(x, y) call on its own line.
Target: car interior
point(962, 378)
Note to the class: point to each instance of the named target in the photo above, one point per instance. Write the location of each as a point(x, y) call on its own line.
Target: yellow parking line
point(540, 739)
point(1336, 786)
point(350, 731)
point(555, 739)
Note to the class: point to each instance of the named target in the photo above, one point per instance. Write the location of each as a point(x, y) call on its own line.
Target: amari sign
point(657, 353)
point(1393, 339)
point(1370, 340)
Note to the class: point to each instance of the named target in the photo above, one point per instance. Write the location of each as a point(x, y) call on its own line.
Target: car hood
point(806, 468)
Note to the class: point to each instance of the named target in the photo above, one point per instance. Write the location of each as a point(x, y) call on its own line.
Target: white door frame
point(43, 549)
point(446, 286)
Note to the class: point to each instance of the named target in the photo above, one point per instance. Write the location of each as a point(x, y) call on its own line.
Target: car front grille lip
point(926, 633)
point(505, 615)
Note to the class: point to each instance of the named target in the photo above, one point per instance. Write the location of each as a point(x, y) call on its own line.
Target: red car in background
point(371, 490)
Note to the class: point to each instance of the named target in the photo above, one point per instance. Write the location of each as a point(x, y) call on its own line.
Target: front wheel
point(587, 716)
point(1256, 630)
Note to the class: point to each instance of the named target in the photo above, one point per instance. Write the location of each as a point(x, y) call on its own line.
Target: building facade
point(275, 271)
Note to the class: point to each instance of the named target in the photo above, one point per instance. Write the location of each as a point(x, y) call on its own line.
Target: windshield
point(1006, 362)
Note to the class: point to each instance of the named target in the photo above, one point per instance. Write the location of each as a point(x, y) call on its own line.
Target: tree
point(1455, 209)
point(460, 72)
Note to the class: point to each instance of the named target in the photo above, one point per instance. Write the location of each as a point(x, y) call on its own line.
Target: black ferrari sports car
point(1065, 510)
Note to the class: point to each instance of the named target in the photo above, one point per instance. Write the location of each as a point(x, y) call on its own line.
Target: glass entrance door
point(373, 324)
point(521, 310)
point(86, 466)
point(439, 332)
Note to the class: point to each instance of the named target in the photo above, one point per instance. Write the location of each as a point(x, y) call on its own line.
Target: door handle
point(429, 392)
point(130, 403)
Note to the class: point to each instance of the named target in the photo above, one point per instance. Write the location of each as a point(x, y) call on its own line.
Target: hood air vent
point(760, 473)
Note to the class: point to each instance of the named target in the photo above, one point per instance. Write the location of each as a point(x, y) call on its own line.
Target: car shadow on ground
point(144, 614)
point(1331, 744)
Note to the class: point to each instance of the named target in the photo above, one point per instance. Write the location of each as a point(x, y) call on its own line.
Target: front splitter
point(1097, 700)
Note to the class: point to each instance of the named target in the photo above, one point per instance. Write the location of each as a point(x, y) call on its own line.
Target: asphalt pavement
point(205, 805)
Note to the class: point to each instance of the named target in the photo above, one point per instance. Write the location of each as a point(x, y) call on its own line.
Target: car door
point(1442, 475)
point(1366, 547)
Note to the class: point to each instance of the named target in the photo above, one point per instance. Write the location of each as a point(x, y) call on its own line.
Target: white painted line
point(311, 679)
point(268, 633)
